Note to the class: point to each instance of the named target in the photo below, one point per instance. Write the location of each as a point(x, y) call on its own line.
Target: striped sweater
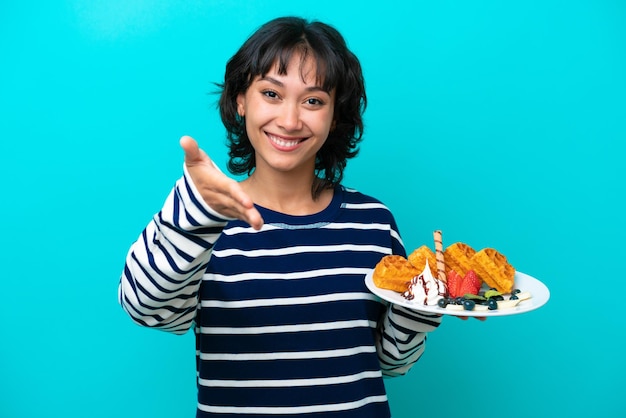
point(284, 323)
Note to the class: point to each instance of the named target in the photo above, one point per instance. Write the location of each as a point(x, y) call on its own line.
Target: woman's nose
point(290, 117)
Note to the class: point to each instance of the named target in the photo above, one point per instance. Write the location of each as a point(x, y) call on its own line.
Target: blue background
point(501, 123)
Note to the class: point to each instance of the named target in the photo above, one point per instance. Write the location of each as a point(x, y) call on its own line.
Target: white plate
point(539, 296)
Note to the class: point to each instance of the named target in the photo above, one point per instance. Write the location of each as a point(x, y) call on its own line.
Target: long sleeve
point(402, 332)
point(402, 339)
point(164, 267)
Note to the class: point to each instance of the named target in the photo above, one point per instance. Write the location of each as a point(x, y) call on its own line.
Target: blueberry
point(469, 304)
point(515, 291)
point(442, 303)
point(492, 304)
point(513, 297)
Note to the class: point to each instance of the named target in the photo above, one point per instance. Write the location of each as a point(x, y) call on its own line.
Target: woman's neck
point(287, 194)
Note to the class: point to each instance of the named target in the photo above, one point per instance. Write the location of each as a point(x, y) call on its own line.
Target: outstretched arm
point(220, 192)
point(164, 267)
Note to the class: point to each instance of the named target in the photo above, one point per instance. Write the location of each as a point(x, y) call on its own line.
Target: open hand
point(219, 191)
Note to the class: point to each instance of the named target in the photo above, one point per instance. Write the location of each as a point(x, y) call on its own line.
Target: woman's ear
point(241, 101)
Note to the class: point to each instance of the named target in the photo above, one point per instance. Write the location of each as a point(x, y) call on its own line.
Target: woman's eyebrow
point(281, 84)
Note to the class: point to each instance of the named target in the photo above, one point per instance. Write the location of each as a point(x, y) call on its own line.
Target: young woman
point(270, 271)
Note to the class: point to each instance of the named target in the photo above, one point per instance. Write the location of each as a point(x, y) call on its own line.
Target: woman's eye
point(314, 102)
point(271, 94)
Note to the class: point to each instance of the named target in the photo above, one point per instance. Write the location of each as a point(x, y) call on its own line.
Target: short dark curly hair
point(337, 68)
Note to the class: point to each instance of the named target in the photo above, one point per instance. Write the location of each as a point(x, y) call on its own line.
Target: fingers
point(193, 154)
point(253, 218)
point(480, 318)
point(243, 206)
point(219, 191)
point(236, 206)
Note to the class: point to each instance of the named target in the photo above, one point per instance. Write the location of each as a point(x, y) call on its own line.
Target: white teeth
point(284, 143)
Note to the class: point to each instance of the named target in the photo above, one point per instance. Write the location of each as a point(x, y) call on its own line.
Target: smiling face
point(288, 118)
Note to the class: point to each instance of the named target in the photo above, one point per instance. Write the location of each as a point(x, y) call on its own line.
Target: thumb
point(193, 154)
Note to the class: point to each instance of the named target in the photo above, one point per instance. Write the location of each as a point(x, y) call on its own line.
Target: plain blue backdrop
point(501, 123)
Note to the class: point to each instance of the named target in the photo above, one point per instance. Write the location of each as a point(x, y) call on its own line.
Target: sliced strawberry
point(471, 284)
point(455, 280)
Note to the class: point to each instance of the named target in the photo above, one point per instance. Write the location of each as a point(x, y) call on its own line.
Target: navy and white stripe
point(284, 323)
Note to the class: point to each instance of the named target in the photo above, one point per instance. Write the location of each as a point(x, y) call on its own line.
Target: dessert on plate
point(494, 269)
point(394, 272)
point(425, 288)
point(465, 278)
point(422, 255)
point(458, 257)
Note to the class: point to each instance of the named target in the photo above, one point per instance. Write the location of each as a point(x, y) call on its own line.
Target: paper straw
point(441, 266)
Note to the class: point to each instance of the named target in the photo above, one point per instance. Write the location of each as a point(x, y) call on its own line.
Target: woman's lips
point(284, 143)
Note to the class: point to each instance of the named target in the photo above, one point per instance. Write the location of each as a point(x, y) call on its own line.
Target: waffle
point(457, 257)
point(419, 257)
point(494, 269)
point(394, 272)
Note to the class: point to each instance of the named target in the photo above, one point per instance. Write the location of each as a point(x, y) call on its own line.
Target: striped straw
point(441, 266)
